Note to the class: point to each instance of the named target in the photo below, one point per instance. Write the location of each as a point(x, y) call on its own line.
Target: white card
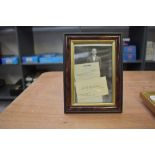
point(152, 97)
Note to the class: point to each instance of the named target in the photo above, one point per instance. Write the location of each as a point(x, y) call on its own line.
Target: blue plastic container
point(129, 57)
point(10, 60)
point(30, 59)
point(51, 58)
point(129, 53)
point(129, 49)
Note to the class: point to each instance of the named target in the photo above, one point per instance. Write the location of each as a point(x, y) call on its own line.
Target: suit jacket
point(97, 59)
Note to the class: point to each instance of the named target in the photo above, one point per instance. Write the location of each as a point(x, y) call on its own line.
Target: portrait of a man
point(93, 56)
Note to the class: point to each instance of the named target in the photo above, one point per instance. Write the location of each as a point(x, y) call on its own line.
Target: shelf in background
point(7, 28)
point(5, 93)
point(4, 105)
point(56, 28)
point(132, 62)
point(45, 64)
point(9, 64)
point(105, 28)
point(149, 61)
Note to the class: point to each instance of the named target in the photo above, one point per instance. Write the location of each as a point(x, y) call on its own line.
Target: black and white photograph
point(96, 53)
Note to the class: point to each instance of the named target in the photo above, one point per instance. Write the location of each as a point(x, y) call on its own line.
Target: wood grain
point(42, 106)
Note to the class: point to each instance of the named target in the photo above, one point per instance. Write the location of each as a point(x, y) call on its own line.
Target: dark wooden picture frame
point(71, 43)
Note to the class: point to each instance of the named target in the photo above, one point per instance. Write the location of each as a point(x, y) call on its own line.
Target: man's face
point(94, 51)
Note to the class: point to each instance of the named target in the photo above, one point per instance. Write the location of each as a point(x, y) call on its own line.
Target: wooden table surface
point(41, 106)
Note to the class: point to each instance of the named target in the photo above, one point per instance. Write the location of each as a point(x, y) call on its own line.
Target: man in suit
point(93, 57)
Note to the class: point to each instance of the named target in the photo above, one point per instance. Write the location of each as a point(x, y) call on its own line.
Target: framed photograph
point(92, 73)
